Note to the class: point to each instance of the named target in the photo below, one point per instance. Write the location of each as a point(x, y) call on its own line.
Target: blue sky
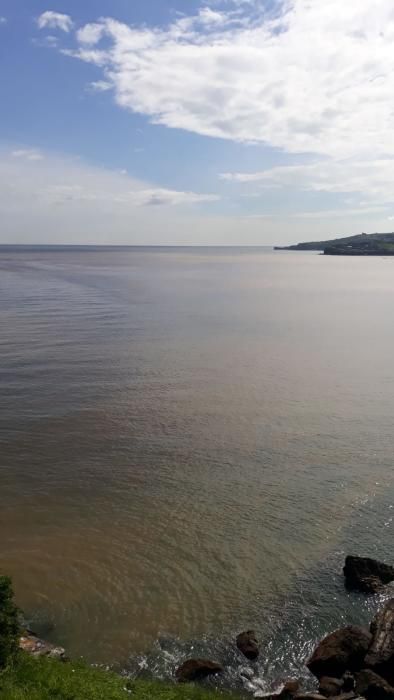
point(229, 121)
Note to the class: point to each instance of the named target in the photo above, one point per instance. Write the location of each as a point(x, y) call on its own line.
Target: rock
point(348, 682)
point(247, 673)
point(341, 651)
point(370, 585)
point(330, 686)
point(195, 669)
point(380, 657)
point(290, 689)
point(366, 575)
point(373, 687)
point(31, 644)
point(248, 645)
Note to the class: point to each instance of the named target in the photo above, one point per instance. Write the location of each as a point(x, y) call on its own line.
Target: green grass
point(30, 678)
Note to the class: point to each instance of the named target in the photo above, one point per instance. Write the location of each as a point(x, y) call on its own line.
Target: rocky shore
point(351, 662)
point(348, 664)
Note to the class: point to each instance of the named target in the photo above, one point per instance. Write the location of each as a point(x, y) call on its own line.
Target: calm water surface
point(190, 441)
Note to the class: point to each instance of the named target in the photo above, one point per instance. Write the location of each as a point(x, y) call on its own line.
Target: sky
point(195, 122)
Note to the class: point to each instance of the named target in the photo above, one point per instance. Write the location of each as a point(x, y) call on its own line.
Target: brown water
point(190, 440)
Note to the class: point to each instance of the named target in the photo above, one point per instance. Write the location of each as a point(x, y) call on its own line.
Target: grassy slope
point(47, 679)
point(374, 239)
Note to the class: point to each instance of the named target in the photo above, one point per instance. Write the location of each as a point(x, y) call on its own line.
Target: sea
point(191, 441)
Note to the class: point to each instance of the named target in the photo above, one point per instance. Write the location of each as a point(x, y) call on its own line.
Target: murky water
point(191, 439)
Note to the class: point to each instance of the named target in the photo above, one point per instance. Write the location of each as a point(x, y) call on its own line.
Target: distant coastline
point(362, 244)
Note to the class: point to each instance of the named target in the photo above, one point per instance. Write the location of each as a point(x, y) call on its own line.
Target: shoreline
point(336, 661)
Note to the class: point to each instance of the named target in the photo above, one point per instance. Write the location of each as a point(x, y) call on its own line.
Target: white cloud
point(3, 20)
point(90, 33)
point(308, 77)
point(372, 178)
point(302, 76)
point(27, 154)
point(94, 56)
point(55, 20)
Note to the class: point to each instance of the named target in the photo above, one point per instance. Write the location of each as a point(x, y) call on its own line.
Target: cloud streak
point(58, 199)
point(57, 181)
point(27, 154)
point(373, 178)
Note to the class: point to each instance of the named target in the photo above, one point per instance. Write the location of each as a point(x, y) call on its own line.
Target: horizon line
point(138, 245)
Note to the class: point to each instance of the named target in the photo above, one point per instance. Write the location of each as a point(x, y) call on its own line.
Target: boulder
point(329, 687)
point(35, 646)
point(366, 575)
point(196, 669)
point(380, 657)
point(248, 645)
point(341, 651)
point(373, 687)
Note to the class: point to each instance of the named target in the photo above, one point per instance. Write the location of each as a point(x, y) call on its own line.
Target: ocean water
point(191, 440)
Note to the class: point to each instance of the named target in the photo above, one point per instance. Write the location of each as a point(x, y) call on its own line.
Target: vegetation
point(24, 677)
point(42, 678)
point(9, 625)
point(363, 244)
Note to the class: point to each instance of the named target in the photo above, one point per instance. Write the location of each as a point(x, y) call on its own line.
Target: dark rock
point(248, 645)
point(380, 657)
point(341, 651)
point(369, 585)
point(330, 686)
point(196, 669)
point(366, 575)
point(289, 690)
point(348, 682)
point(373, 687)
point(309, 696)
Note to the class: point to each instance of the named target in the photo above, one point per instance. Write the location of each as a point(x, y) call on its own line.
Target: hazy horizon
point(38, 244)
